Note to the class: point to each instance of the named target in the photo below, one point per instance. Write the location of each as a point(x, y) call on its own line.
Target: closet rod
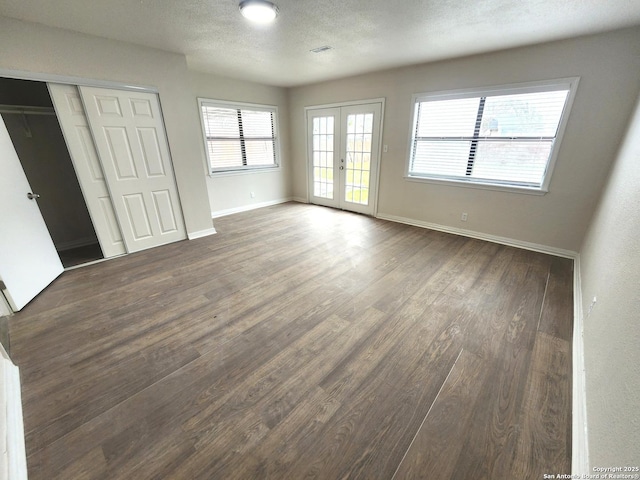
point(27, 110)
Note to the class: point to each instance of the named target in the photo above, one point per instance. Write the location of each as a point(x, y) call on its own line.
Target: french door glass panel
point(323, 151)
point(358, 158)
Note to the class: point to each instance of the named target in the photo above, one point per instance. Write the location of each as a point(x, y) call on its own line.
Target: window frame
point(570, 83)
point(232, 105)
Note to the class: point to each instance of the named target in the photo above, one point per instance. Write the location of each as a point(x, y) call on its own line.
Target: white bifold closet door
point(75, 127)
point(28, 259)
point(128, 131)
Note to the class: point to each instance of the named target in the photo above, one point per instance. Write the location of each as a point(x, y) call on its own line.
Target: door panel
point(343, 156)
point(129, 135)
point(359, 152)
point(162, 202)
point(28, 259)
point(324, 145)
point(73, 121)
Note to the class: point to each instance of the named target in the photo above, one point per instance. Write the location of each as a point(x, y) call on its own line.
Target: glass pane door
point(323, 132)
point(358, 158)
point(322, 156)
point(343, 155)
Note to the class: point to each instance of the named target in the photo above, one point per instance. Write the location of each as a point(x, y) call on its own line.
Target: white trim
point(477, 184)
point(345, 104)
point(246, 208)
point(245, 171)
point(536, 247)
point(5, 308)
point(579, 437)
point(380, 152)
point(70, 80)
point(3, 353)
point(201, 233)
point(507, 89)
point(299, 199)
point(79, 242)
point(94, 262)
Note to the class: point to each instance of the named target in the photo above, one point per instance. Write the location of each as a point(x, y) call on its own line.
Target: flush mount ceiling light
point(258, 11)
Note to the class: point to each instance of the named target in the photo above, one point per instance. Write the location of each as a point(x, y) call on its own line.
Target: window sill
point(480, 186)
point(248, 171)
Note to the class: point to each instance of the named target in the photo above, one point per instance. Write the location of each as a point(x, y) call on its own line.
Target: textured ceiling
point(366, 35)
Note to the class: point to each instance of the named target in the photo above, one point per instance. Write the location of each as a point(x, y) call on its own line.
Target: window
point(239, 136)
point(501, 137)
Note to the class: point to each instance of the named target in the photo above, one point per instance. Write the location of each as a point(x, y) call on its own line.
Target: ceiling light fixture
point(258, 11)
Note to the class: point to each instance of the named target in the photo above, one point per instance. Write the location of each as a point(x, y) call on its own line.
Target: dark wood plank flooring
point(302, 342)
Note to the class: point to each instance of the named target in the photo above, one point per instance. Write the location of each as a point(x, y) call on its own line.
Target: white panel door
point(28, 259)
point(73, 121)
point(343, 156)
point(130, 139)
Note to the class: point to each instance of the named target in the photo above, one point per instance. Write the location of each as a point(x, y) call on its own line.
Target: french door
point(343, 156)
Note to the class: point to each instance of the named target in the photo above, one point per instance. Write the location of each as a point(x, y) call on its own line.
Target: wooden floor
point(302, 342)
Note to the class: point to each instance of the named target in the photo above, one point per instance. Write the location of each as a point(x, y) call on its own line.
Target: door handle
point(341, 167)
point(32, 196)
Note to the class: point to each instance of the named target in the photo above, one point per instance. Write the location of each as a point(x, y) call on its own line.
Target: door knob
point(341, 167)
point(32, 196)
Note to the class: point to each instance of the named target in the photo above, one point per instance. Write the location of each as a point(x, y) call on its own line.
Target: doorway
point(344, 148)
point(32, 124)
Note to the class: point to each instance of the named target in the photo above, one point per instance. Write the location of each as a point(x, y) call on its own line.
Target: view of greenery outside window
point(239, 136)
point(500, 137)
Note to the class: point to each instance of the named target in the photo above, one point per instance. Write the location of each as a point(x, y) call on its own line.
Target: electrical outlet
point(253, 194)
point(464, 216)
point(385, 148)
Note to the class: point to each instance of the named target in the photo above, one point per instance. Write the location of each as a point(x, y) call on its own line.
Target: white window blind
point(239, 137)
point(497, 138)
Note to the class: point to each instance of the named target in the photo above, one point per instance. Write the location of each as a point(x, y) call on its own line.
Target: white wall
point(610, 271)
point(35, 48)
point(231, 192)
point(609, 68)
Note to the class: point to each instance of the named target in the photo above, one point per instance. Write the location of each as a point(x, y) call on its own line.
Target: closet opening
point(30, 118)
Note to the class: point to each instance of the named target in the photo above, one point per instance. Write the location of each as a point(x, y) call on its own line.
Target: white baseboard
point(558, 252)
point(201, 233)
point(579, 438)
point(246, 208)
point(299, 199)
point(79, 242)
